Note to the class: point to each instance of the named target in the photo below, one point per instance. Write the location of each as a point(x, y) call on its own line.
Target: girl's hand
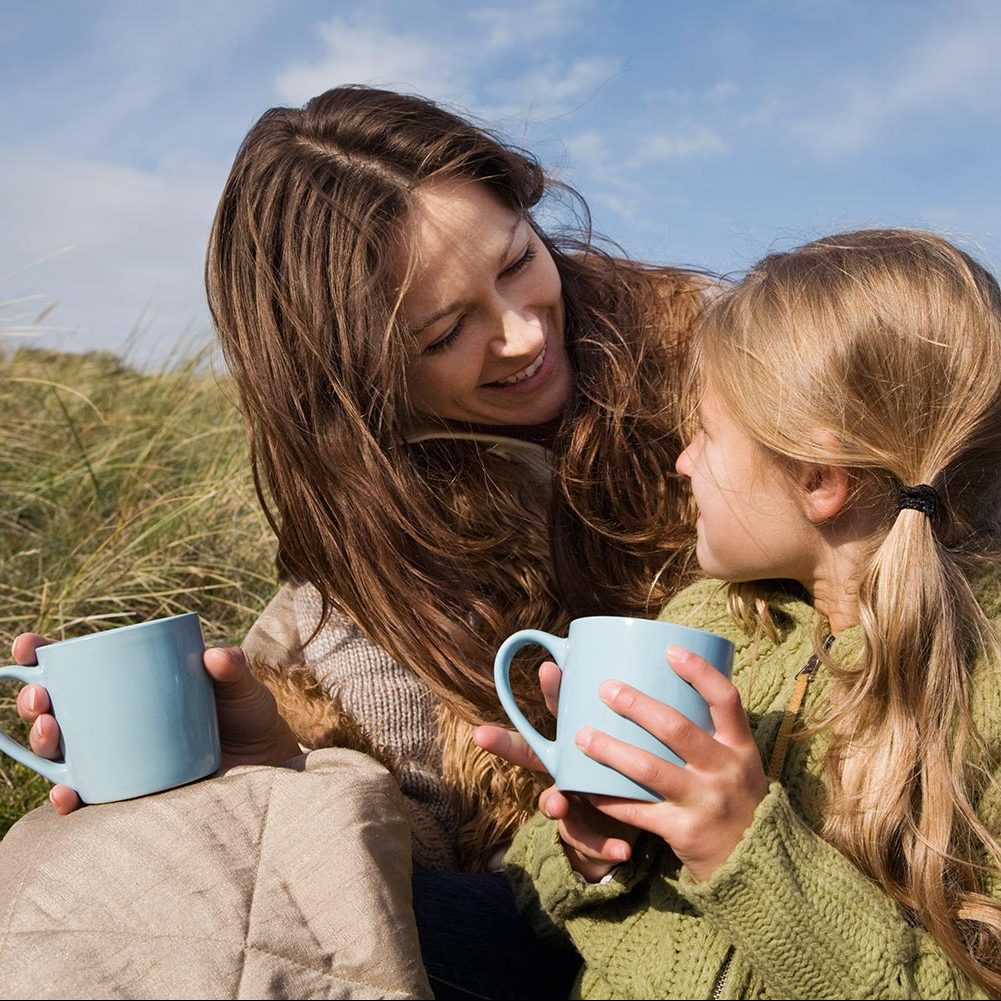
point(509, 744)
point(250, 728)
point(595, 844)
point(709, 803)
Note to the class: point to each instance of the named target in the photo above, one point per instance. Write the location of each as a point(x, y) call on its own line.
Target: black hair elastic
point(921, 498)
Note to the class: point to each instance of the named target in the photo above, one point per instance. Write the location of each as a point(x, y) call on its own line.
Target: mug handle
point(544, 749)
point(54, 771)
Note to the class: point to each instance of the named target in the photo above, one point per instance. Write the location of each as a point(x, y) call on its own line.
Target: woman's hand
point(709, 803)
point(33, 707)
point(250, 729)
point(595, 844)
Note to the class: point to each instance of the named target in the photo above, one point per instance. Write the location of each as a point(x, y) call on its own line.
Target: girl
point(838, 836)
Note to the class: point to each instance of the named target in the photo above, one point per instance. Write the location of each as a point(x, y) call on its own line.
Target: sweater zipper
point(807, 671)
point(721, 976)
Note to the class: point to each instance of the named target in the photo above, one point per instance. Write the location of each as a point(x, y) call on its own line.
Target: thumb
point(228, 668)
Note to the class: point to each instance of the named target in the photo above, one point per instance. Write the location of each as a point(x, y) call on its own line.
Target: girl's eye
point(523, 261)
point(446, 338)
point(696, 431)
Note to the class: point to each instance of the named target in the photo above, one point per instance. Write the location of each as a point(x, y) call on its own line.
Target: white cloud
point(123, 247)
point(589, 145)
point(456, 63)
point(610, 163)
point(720, 91)
point(696, 141)
point(507, 27)
point(552, 88)
point(624, 206)
point(955, 66)
point(363, 53)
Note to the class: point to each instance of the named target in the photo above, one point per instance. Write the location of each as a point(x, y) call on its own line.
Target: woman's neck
point(539, 434)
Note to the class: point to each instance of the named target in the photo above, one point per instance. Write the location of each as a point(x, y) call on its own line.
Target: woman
point(459, 424)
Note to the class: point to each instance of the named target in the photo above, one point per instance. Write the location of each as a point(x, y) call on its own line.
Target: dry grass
point(123, 496)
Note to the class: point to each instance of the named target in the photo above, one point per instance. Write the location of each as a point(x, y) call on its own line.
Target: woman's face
point(486, 307)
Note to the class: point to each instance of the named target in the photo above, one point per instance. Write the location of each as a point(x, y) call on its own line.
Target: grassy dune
point(123, 496)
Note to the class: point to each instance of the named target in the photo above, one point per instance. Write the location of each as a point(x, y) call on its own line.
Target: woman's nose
point(519, 332)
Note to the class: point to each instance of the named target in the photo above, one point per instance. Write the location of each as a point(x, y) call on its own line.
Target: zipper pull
point(810, 667)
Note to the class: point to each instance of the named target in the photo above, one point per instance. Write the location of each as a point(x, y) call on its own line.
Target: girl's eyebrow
point(454, 307)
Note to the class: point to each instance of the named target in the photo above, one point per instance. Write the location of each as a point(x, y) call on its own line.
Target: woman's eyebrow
point(456, 306)
point(435, 317)
point(510, 240)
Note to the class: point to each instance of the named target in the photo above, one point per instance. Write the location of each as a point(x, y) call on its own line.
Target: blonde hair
point(889, 341)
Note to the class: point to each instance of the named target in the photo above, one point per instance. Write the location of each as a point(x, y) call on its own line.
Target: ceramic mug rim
point(632, 619)
point(117, 630)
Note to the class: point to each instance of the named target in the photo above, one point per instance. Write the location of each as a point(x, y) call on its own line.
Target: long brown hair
point(890, 342)
point(437, 549)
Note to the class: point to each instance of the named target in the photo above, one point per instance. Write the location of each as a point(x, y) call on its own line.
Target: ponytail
point(880, 352)
point(901, 765)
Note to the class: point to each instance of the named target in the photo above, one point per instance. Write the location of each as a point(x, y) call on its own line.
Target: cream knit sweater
point(395, 710)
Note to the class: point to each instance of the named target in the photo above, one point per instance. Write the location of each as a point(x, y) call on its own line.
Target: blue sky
point(702, 133)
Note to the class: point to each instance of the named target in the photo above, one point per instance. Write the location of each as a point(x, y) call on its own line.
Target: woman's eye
point(449, 336)
point(523, 261)
point(446, 338)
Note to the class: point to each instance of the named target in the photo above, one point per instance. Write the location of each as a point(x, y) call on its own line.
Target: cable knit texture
point(787, 916)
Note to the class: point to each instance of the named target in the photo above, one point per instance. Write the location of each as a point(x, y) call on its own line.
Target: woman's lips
point(532, 375)
point(526, 373)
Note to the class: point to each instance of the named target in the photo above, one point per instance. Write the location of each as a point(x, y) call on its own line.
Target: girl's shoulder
point(985, 582)
point(702, 605)
point(706, 605)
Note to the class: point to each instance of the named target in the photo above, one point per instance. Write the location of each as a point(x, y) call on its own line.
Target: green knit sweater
point(787, 916)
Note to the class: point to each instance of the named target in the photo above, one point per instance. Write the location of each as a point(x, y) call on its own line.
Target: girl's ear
point(825, 491)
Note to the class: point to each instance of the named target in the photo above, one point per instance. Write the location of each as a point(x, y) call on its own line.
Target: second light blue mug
point(597, 649)
point(135, 708)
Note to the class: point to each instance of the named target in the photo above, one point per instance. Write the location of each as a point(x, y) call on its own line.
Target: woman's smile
point(524, 374)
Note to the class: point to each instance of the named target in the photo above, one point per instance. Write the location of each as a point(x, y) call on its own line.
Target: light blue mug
point(597, 649)
point(135, 707)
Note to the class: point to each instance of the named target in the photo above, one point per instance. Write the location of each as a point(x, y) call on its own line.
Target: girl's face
point(752, 521)
point(486, 307)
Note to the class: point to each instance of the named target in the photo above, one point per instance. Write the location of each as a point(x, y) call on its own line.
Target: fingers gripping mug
point(597, 649)
point(135, 708)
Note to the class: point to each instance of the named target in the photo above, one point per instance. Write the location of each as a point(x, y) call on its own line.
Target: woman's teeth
point(525, 373)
